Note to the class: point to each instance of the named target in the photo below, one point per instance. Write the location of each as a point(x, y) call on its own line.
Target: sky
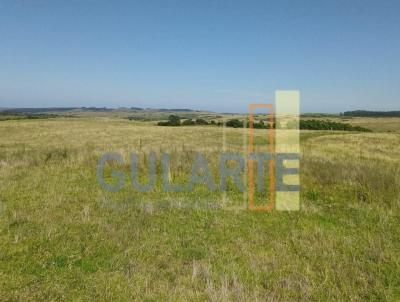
point(206, 55)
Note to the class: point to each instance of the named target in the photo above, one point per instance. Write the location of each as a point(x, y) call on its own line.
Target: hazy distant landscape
point(379, 121)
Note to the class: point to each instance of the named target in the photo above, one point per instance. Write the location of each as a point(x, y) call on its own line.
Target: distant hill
point(365, 113)
point(96, 109)
point(52, 109)
point(176, 110)
point(38, 110)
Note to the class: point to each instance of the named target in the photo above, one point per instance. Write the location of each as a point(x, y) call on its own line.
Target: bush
point(235, 123)
point(173, 120)
point(200, 121)
point(188, 122)
point(329, 125)
point(364, 113)
point(304, 124)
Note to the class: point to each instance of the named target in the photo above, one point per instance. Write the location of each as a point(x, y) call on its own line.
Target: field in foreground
point(63, 238)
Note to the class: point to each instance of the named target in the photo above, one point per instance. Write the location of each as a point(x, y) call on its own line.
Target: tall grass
point(63, 238)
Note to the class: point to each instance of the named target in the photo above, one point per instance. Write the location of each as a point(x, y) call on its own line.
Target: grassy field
point(388, 124)
point(63, 238)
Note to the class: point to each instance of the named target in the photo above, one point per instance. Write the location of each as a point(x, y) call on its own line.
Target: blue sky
point(215, 55)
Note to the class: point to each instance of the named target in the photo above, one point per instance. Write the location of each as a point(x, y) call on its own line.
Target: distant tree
point(260, 125)
point(174, 120)
point(235, 123)
point(188, 122)
point(201, 121)
point(364, 113)
point(329, 125)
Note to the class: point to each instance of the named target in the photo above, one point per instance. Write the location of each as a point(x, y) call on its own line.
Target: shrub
point(173, 120)
point(200, 121)
point(188, 122)
point(329, 125)
point(235, 123)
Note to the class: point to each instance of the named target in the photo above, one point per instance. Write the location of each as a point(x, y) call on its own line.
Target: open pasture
point(63, 238)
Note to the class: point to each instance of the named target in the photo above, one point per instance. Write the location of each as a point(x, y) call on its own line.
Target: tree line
point(365, 113)
point(313, 124)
